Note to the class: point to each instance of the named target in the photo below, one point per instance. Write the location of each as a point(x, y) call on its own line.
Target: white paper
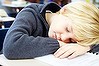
point(85, 60)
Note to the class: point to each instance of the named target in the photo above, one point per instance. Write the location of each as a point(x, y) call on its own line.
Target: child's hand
point(71, 51)
point(61, 43)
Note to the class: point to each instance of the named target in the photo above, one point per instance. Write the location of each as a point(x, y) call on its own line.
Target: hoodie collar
point(53, 7)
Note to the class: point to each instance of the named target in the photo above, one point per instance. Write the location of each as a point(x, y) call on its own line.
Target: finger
point(60, 51)
point(73, 55)
point(67, 54)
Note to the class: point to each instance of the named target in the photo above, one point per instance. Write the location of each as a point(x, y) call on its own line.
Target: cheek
point(65, 38)
point(50, 33)
point(53, 33)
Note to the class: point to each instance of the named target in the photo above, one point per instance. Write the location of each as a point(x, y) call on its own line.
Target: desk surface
point(5, 19)
point(13, 6)
point(26, 62)
point(18, 4)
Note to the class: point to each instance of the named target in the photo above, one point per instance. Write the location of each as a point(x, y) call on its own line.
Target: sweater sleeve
point(94, 49)
point(19, 44)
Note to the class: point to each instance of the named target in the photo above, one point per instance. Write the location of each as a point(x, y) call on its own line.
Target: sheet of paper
point(88, 59)
point(21, 62)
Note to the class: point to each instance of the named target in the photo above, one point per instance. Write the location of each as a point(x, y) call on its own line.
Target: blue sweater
point(28, 35)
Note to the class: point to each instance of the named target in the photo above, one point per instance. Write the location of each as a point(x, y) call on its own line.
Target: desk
point(5, 19)
point(15, 8)
point(26, 62)
point(16, 5)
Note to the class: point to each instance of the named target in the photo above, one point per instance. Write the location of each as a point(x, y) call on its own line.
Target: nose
point(68, 38)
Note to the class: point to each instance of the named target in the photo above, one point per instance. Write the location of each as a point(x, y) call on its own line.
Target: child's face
point(61, 29)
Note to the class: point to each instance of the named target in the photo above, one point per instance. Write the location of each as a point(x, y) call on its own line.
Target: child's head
point(85, 21)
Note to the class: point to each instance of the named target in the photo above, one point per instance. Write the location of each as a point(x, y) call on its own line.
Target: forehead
point(63, 22)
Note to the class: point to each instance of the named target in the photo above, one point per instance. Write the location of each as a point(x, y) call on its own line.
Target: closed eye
point(67, 30)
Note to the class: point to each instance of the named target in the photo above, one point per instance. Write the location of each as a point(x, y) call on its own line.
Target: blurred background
point(12, 7)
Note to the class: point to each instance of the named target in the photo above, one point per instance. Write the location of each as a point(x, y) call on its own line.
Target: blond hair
point(85, 21)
